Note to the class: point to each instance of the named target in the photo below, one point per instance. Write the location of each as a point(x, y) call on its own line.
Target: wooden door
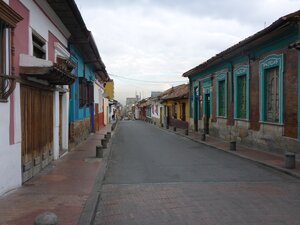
point(207, 113)
point(37, 129)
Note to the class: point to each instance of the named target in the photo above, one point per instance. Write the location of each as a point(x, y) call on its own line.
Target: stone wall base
point(79, 131)
point(269, 137)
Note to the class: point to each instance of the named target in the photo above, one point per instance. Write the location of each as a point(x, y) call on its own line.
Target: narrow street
point(157, 177)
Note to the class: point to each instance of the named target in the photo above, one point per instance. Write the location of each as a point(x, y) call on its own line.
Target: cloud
point(161, 39)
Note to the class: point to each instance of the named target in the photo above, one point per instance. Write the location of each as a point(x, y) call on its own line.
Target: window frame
point(222, 77)
point(206, 89)
point(43, 48)
point(82, 92)
point(269, 62)
point(237, 73)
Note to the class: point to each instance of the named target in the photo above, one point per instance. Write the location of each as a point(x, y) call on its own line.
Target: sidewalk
point(63, 187)
point(273, 160)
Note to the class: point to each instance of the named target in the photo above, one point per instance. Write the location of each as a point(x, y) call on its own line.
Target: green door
point(196, 111)
point(207, 113)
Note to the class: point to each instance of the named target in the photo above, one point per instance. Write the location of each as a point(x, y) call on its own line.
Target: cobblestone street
point(161, 178)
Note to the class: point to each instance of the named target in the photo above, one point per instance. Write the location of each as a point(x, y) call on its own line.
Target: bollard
point(104, 143)
point(232, 145)
point(290, 160)
point(108, 135)
point(99, 151)
point(46, 218)
point(161, 125)
point(167, 126)
point(186, 132)
point(174, 129)
point(203, 137)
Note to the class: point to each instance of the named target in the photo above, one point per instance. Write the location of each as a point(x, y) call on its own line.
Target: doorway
point(196, 109)
point(206, 113)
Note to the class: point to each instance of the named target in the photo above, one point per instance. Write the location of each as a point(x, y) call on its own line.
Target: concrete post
point(99, 151)
point(233, 146)
point(46, 218)
point(290, 160)
point(104, 143)
point(203, 137)
point(65, 120)
point(108, 135)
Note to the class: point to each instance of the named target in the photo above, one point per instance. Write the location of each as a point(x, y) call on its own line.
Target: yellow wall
point(109, 89)
point(178, 108)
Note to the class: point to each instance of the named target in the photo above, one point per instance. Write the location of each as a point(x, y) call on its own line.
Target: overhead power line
point(146, 81)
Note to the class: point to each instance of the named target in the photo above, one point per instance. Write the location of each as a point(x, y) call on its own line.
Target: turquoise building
point(250, 92)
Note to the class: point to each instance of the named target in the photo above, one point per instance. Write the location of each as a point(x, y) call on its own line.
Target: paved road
point(158, 178)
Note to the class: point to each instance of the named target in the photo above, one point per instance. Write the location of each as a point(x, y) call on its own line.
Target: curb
point(277, 168)
point(88, 213)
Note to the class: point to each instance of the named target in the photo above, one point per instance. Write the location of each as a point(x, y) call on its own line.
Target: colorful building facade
point(250, 92)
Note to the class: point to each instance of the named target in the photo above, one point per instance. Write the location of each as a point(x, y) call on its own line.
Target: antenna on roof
point(265, 24)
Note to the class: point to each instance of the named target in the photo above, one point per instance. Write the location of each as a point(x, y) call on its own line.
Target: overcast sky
point(147, 45)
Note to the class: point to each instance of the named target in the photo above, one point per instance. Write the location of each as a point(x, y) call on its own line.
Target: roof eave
point(281, 22)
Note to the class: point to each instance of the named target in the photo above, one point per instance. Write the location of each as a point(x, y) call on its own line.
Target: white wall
point(157, 106)
point(10, 155)
point(98, 95)
point(105, 101)
point(42, 24)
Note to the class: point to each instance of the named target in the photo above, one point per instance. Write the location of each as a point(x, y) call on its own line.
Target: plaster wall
point(42, 23)
point(10, 155)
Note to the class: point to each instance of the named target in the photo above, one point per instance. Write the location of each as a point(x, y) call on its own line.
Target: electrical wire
point(146, 81)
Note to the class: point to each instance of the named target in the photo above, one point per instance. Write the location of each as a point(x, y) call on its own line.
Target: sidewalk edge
point(88, 213)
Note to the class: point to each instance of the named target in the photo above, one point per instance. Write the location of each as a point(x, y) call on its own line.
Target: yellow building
point(176, 106)
point(109, 89)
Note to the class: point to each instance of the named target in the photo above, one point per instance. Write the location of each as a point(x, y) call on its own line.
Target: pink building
point(34, 128)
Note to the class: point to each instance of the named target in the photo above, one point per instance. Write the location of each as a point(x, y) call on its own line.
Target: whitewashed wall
point(156, 113)
point(105, 102)
point(10, 155)
point(98, 95)
point(42, 24)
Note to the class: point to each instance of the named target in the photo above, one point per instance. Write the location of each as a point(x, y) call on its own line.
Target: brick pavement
point(262, 197)
point(205, 203)
point(63, 187)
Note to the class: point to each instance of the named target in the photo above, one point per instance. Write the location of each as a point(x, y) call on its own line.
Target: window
point(82, 92)
point(174, 111)
point(90, 93)
point(271, 95)
point(241, 92)
point(271, 89)
point(7, 82)
point(8, 21)
point(241, 97)
point(222, 95)
point(39, 46)
point(183, 116)
point(3, 48)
